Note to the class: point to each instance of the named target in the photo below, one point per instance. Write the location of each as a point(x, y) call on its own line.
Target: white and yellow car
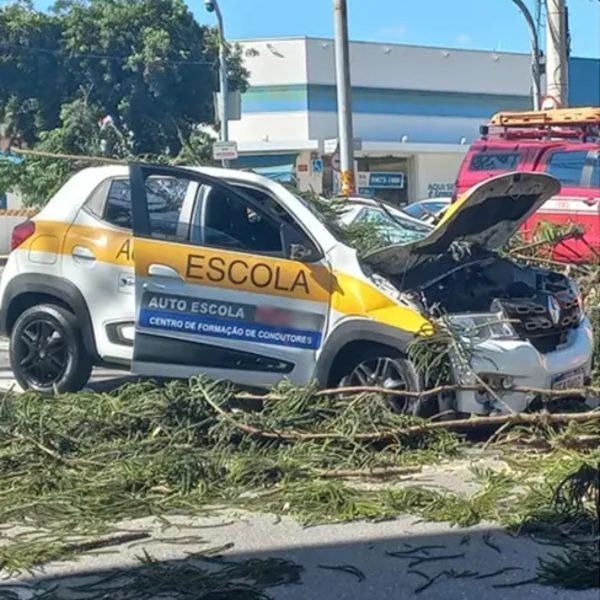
point(176, 272)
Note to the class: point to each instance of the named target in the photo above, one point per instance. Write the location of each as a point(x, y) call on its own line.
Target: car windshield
point(392, 225)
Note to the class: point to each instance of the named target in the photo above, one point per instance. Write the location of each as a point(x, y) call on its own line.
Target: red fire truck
point(562, 142)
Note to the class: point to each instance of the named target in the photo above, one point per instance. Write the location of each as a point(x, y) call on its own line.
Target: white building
point(416, 109)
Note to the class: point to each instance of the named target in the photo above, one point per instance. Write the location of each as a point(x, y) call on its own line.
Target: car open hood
point(486, 216)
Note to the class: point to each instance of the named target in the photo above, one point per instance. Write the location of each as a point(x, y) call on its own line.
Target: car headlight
point(483, 326)
point(387, 287)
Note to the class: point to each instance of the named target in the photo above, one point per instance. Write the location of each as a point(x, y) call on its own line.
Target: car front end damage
point(510, 326)
point(500, 367)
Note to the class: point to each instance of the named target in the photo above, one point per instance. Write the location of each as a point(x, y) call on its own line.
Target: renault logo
point(554, 310)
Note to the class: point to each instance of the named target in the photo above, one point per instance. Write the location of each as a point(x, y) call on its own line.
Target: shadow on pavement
point(278, 559)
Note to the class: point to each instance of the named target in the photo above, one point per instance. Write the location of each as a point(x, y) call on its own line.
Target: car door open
point(222, 286)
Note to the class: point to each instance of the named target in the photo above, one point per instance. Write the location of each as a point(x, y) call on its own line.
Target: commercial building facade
point(416, 110)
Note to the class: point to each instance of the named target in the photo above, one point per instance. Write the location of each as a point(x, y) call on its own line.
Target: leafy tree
point(32, 72)
point(146, 63)
point(38, 178)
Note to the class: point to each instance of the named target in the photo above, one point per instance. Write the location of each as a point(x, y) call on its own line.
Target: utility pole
point(535, 53)
point(557, 51)
point(213, 6)
point(344, 97)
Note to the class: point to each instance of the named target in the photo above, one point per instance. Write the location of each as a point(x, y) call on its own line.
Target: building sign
point(225, 150)
point(440, 190)
point(368, 181)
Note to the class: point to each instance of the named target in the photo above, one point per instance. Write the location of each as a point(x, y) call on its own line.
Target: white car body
point(175, 298)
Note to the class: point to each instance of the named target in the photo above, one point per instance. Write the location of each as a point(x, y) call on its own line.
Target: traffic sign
point(317, 166)
point(330, 146)
point(225, 150)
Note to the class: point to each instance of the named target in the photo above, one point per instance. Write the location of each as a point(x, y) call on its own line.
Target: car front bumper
point(518, 364)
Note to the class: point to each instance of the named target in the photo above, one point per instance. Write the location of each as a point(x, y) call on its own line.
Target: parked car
point(429, 210)
point(177, 272)
point(392, 223)
point(563, 143)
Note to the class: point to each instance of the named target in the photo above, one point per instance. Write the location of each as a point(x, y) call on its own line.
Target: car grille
point(533, 320)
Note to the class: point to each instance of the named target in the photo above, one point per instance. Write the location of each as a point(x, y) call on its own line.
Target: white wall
point(435, 173)
point(275, 62)
point(274, 127)
point(393, 66)
point(419, 68)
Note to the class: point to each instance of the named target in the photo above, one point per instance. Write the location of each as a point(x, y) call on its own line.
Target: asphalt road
point(320, 551)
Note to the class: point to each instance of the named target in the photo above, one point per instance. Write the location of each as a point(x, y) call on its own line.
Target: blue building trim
point(322, 98)
point(263, 161)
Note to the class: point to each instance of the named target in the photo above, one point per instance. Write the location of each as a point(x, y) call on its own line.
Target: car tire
point(388, 369)
point(47, 353)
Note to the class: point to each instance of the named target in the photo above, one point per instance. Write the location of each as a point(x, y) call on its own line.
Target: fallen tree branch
point(455, 425)
point(95, 159)
point(379, 472)
point(583, 392)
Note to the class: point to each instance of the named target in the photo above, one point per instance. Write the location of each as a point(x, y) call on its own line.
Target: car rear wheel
point(388, 370)
point(47, 354)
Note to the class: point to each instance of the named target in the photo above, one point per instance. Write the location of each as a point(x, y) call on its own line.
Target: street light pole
point(535, 53)
point(213, 6)
point(556, 51)
point(344, 97)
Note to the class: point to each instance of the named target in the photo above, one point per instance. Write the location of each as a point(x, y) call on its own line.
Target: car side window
point(494, 161)
point(231, 222)
point(111, 202)
point(567, 166)
point(117, 208)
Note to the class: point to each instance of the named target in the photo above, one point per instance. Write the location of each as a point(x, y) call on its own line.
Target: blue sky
point(484, 24)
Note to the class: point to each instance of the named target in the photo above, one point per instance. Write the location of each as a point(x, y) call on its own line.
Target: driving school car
point(176, 272)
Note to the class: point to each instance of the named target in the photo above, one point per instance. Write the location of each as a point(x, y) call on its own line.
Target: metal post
point(556, 51)
point(213, 6)
point(344, 96)
point(535, 54)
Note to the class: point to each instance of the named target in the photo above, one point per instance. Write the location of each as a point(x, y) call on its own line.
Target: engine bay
point(543, 304)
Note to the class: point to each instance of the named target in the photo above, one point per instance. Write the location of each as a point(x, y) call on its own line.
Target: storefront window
point(385, 178)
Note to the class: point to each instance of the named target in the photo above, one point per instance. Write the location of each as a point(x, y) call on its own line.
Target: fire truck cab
point(564, 143)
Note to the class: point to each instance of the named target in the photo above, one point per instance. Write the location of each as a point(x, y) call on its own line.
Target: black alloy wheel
point(47, 353)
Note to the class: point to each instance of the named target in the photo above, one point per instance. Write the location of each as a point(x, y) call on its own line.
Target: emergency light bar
point(564, 123)
point(557, 117)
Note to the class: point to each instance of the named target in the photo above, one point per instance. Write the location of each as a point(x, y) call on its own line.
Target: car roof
point(377, 203)
point(441, 199)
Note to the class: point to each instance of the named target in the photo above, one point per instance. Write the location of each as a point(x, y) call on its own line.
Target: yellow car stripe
point(353, 296)
point(349, 295)
point(236, 270)
point(109, 245)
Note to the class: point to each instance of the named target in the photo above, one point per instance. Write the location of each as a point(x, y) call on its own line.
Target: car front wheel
point(47, 354)
point(390, 371)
